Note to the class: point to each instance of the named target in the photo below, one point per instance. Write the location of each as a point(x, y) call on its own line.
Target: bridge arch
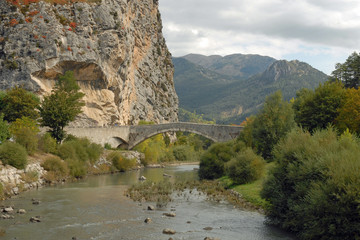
point(117, 142)
point(143, 138)
point(216, 133)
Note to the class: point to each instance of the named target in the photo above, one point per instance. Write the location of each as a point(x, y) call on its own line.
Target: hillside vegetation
point(211, 86)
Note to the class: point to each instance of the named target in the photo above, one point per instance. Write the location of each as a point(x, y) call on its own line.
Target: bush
point(120, 162)
point(212, 162)
point(47, 143)
point(184, 153)
point(245, 167)
point(25, 132)
point(314, 188)
point(57, 168)
point(13, 154)
point(80, 149)
point(77, 168)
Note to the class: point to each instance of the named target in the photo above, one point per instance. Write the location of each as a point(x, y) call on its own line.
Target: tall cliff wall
point(114, 47)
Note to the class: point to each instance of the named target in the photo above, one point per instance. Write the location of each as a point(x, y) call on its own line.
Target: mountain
point(115, 48)
point(233, 100)
point(240, 66)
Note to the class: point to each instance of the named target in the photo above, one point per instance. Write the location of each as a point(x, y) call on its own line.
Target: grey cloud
point(278, 18)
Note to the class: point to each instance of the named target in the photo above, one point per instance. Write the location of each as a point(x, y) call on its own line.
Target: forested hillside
point(230, 98)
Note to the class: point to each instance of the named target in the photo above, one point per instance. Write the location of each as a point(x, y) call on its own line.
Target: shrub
point(120, 162)
point(212, 162)
point(245, 167)
point(57, 168)
point(314, 188)
point(80, 149)
point(47, 143)
point(77, 168)
point(107, 146)
point(30, 177)
point(25, 132)
point(13, 154)
point(183, 153)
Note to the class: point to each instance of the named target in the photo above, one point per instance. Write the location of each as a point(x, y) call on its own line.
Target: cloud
point(276, 28)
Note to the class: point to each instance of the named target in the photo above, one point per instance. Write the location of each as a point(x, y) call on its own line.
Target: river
point(96, 208)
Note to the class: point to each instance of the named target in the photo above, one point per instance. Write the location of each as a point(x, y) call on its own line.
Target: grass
point(251, 191)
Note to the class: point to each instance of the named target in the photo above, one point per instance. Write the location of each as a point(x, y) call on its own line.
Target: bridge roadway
point(130, 136)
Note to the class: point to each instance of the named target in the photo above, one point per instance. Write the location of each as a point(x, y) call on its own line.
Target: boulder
point(151, 208)
point(7, 216)
point(169, 231)
point(35, 219)
point(8, 209)
point(21, 211)
point(148, 220)
point(170, 214)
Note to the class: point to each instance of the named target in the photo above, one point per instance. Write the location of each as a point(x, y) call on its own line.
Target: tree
point(272, 123)
point(19, 103)
point(319, 108)
point(4, 129)
point(61, 107)
point(314, 187)
point(349, 113)
point(348, 72)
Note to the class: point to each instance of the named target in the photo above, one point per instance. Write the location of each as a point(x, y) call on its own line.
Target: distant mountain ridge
point(235, 65)
point(230, 98)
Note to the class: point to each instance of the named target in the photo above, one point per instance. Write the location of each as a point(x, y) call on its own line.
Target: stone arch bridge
point(130, 136)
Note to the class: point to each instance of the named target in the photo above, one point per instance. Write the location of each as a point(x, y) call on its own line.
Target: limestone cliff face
point(114, 47)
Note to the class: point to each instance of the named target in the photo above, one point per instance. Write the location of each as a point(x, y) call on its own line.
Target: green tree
point(4, 129)
point(349, 113)
point(348, 72)
point(314, 187)
point(61, 107)
point(319, 108)
point(272, 123)
point(18, 103)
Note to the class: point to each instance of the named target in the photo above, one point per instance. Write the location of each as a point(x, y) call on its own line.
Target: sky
point(319, 32)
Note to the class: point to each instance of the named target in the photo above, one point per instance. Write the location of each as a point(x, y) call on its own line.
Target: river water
point(96, 208)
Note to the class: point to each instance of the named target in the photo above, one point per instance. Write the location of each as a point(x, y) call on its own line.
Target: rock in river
point(170, 214)
point(169, 231)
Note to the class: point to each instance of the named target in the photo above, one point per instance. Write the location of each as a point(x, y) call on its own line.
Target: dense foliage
point(61, 107)
point(348, 72)
point(120, 162)
point(25, 130)
point(272, 123)
point(212, 162)
point(231, 98)
point(4, 129)
point(319, 108)
point(13, 154)
point(245, 167)
point(57, 169)
point(17, 103)
point(314, 189)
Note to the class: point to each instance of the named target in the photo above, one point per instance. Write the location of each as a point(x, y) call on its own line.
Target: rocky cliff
point(114, 47)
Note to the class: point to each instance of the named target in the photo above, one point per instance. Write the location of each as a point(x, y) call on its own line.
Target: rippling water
point(96, 208)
